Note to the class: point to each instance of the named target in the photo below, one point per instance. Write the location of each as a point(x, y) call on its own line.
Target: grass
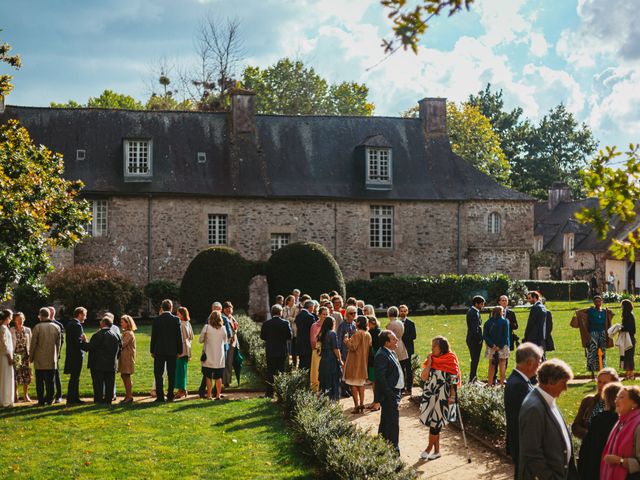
point(143, 377)
point(187, 439)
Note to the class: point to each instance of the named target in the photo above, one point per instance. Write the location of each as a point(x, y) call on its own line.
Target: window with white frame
point(381, 226)
point(81, 155)
point(138, 154)
point(97, 227)
point(217, 229)
point(379, 166)
point(279, 240)
point(494, 223)
point(570, 246)
point(539, 244)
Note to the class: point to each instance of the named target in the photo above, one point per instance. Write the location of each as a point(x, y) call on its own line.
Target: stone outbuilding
point(384, 195)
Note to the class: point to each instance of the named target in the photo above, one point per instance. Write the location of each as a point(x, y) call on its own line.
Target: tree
point(472, 137)
point(553, 150)
point(39, 209)
point(11, 60)
point(616, 185)
point(107, 99)
point(220, 50)
point(410, 24)
point(291, 88)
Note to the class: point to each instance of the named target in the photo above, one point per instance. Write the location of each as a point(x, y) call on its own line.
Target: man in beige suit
point(45, 351)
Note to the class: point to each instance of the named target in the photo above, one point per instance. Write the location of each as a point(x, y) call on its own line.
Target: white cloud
point(618, 109)
point(553, 87)
point(503, 21)
point(538, 44)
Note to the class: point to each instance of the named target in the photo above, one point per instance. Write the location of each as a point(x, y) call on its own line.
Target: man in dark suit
point(528, 357)
point(536, 324)
point(388, 387)
point(166, 345)
point(546, 449)
point(275, 332)
point(408, 338)
point(474, 335)
point(56, 373)
point(104, 350)
point(75, 354)
point(303, 321)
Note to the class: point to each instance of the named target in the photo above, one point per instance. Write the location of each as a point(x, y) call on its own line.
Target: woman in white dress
point(7, 387)
point(214, 338)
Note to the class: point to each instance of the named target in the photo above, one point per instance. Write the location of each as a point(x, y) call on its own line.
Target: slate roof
point(553, 224)
point(293, 156)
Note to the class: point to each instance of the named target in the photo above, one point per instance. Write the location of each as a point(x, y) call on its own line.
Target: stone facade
point(425, 234)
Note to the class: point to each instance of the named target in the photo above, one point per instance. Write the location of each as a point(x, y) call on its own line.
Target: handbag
point(203, 357)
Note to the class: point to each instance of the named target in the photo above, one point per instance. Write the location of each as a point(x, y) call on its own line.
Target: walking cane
point(464, 435)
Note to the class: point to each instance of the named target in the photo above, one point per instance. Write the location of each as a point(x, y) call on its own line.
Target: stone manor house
point(383, 195)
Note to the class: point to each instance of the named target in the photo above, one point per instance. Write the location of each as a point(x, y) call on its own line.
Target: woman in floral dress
point(21, 337)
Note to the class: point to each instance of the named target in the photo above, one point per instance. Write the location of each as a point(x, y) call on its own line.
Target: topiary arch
point(215, 274)
point(307, 266)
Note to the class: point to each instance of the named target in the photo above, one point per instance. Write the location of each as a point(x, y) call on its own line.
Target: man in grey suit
point(545, 440)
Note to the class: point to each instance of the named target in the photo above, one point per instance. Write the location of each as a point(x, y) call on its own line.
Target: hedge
point(251, 345)
point(483, 407)
point(215, 274)
point(560, 290)
point(308, 266)
point(157, 290)
point(95, 287)
point(342, 450)
point(417, 292)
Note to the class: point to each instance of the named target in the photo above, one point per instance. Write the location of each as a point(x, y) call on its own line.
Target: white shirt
point(400, 384)
point(551, 401)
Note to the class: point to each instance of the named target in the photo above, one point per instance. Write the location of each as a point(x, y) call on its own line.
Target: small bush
point(560, 290)
point(483, 407)
point(418, 292)
point(29, 301)
point(304, 265)
point(611, 297)
point(158, 290)
point(95, 287)
point(215, 274)
point(286, 385)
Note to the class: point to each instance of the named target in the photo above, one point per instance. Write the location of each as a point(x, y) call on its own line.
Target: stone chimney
point(558, 192)
point(1, 103)
point(243, 111)
point(433, 113)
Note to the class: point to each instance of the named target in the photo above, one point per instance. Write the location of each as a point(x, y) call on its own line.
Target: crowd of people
point(111, 350)
point(345, 348)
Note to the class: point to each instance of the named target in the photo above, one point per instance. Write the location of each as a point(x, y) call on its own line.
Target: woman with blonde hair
point(182, 362)
point(21, 336)
point(355, 371)
point(214, 338)
point(127, 361)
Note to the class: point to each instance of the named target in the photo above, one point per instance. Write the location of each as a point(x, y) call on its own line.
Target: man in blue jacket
point(75, 354)
point(474, 335)
point(275, 332)
point(166, 345)
point(388, 387)
point(536, 330)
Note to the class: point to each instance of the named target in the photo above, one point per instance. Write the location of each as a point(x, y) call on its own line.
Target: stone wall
point(425, 235)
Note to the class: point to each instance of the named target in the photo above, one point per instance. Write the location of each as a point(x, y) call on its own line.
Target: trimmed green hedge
point(215, 274)
point(307, 266)
point(418, 291)
point(483, 407)
point(251, 345)
point(343, 450)
point(560, 290)
point(158, 290)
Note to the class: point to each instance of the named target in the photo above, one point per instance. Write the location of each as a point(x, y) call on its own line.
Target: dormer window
point(379, 172)
point(138, 160)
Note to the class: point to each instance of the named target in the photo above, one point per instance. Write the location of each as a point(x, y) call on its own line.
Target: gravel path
point(485, 464)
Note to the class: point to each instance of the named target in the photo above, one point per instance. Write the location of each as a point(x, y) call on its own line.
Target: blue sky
point(584, 53)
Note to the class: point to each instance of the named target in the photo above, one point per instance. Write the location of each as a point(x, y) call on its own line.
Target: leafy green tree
point(39, 209)
point(410, 19)
point(108, 99)
point(616, 185)
point(472, 137)
point(11, 60)
point(291, 88)
point(555, 149)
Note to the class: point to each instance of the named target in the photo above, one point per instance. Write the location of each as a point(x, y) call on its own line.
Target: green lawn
point(567, 339)
point(187, 439)
point(143, 378)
